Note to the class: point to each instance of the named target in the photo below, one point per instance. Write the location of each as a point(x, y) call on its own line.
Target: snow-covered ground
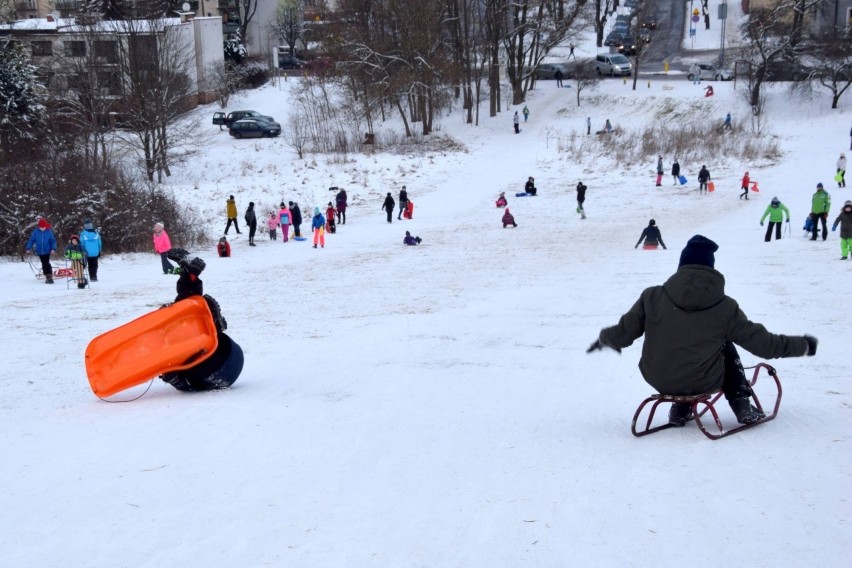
point(434, 405)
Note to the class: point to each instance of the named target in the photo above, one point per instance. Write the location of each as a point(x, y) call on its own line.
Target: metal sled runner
point(708, 400)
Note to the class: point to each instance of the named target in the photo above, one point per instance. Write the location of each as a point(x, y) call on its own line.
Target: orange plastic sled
point(169, 339)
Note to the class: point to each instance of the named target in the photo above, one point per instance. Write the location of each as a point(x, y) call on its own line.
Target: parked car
point(613, 64)
point(250, 128)
point(621, 27)
point(613, 39)
point(784, 70)
point(627, 46)
point(710, 72)
point(222, 119)
point(290, 62)
point(649, 23)
point(633, 5)
point(548, 71)
point(645, 35)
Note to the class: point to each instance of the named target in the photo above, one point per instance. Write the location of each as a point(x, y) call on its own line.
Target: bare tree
point(297, 134)
point(834, 70)
point(585, 76)
point(246, 9)
point(156, 60)
point(290, 24)
point(602, 9)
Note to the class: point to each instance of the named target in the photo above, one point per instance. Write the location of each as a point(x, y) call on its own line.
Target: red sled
point(708, 400)
point(754, 187)
point(409, 210)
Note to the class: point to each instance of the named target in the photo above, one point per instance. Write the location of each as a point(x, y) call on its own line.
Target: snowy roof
point(70, 25)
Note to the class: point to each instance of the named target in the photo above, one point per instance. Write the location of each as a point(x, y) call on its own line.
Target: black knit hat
point(699, 250)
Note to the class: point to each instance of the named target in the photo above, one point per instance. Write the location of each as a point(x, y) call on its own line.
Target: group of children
point(82, 251)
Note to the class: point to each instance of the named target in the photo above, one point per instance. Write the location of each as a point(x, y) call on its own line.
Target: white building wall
point(209, 52)
point(261, 39)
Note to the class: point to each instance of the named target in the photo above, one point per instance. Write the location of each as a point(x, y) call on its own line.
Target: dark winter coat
point(651, 234)
point(686, 323)
point(42, 241)
point(845, 222)
point(341, 201)
point(251, 218)
point(581, 192)
point(403, 197)
point(296, 214)
point(703, 175)
point(389, 203)
point(675, 169)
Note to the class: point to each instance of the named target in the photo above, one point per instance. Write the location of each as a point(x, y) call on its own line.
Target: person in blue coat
point(42, 243)
point(90, 239)
point(318, 227)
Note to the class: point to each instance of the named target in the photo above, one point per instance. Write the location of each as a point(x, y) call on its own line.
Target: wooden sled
point(708, 400)
point(169, 339)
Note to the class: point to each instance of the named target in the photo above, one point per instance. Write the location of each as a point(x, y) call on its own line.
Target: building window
point(42, 48)
point(76, 81)
point(109, 82)
point(106, 51)
point(75, 49)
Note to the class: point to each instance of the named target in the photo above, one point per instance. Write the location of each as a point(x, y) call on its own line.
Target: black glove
point(812, 345)
point(761, 223)
point(788, 220)
point(597, 346)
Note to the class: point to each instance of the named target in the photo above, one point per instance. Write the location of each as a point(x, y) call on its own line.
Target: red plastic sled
point(169, 339)
point(709, 401)
point(409, 210)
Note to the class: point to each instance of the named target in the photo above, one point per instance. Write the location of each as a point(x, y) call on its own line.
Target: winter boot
point(48, 280)
point(746, 413)
point(680, 413)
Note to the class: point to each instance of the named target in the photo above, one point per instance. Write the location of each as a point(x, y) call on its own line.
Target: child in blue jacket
point(42, 243)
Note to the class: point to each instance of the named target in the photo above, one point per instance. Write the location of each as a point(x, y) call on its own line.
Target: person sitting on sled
point(501, 201)
point(652, 237)
point(224, 247)
point(508, 219)
point(411, 241)
point(708, 92)
point(75, 253)
point(529, 187)
point(690, 328)
point(224, 366)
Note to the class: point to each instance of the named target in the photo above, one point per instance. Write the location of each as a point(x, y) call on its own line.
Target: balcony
point(29, 6)
point(63, 5)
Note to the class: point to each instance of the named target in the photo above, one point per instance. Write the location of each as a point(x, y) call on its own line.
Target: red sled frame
point(65, 272)
point(709, 401)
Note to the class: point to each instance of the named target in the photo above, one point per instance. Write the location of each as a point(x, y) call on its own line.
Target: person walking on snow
point(340, 200)
point(820, 206)
point(272, 225)
point(330, 225)
point(776, 212)
point(581, 198)
point(695, 71)
point(162, 246)
point(727, 124)
point(388, 206)
point(526, 112)
point(744, 186)
point(588, 125)
point(845, 222)
point(841, 171)
point(251, 222)
point(676, 171)
point(517, 122)
point(652, 237)
point(231, 212)
point(558, 76)
point(690, 328)
point(285, 219)
point(90, 239)
point(318, 227)
point(403, 202)
point(703, 178)
point(42, 243)
point(296, 218)
point(660, 170)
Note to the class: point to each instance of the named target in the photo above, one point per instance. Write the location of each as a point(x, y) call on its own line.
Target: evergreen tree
point(22, 99)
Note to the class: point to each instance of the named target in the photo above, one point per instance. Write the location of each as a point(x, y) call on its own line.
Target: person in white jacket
point(841, 171)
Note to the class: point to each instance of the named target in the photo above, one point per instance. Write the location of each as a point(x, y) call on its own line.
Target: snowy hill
point(434, 405)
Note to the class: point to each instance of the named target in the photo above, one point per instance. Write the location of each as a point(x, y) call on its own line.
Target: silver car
point(711, 73)
point(613, 64)
point(548, 71)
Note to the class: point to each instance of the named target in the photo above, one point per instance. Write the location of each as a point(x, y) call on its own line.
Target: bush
point(66, 193)
point(252, 73)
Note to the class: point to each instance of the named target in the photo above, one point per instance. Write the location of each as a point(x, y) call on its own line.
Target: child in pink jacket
point(272, 224)
point(285, 219)
point(162, 245)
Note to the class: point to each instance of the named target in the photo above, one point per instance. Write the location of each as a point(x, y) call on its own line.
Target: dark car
point(222, 119)
point(290, 62)
point(250, 128)
point(613, 39)
point(627, 46)
point(621, 27)
point(784, 70)
point(649, 23)
point(548, 71)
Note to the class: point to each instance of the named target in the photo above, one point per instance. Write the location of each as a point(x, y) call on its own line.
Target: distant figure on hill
point(251, 221)
point(501, 200)
point(508, 219)
point(776, 212)
point(845, 222)
point(516, 120)
point(224, 247)
point(388, 206)
point(652, 237)
point(727, 124)
point(581, 198)
point(526, 112)
point(403, 202)
point(285, 219)
point(529, 187)
point(558, 76)
point(272, 225)
point(231, 212)
point(296, 219)
point(411, 241)
point(660, 170)
point(340, 200)
point(744, 186)
point(675, 171)
point(703, 178)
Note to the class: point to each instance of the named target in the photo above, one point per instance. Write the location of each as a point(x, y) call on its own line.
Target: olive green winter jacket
point(686, 323)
